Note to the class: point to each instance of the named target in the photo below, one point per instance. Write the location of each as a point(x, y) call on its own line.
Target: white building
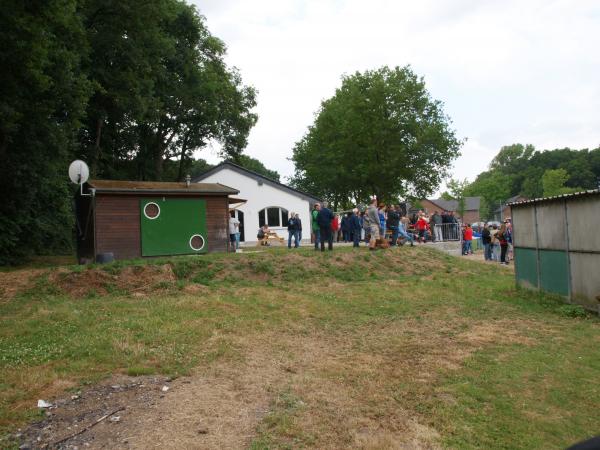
point(267, 201)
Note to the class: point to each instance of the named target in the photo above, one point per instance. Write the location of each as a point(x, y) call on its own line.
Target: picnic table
point(270, 236)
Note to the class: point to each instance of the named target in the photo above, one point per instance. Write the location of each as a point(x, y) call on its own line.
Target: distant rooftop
point(591, 192)
point(471, 204)
point(256, 176)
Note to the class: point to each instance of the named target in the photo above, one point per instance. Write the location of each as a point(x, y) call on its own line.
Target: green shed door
point(173, 226)
point(526, 267)
point(554, 271)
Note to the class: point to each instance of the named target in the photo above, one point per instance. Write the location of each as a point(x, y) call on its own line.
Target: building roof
point(158, 187)
point(591, 192)
point(257, 176)
point(471, 203)
point(508, 202)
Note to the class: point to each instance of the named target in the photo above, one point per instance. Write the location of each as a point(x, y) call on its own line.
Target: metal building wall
point(557, 247)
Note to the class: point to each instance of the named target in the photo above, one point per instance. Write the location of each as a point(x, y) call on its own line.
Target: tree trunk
point(95, 156)
point(181, 158)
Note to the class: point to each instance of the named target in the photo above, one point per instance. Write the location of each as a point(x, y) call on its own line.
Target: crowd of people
point(497, 241)
point(381, 225)
point(378, 223)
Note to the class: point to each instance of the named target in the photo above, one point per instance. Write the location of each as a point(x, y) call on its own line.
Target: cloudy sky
point(507, 71)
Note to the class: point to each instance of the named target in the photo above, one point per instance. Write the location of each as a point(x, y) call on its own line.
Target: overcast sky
point(507, 71)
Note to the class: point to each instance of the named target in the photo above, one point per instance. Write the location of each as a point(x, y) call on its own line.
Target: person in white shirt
point(234, 229)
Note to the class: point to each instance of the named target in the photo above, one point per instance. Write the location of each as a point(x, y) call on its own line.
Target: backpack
point(261, 234)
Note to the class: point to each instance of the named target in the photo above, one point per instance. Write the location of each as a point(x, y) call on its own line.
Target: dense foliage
point(521, 170)
point(380, 134)
point(133, 87)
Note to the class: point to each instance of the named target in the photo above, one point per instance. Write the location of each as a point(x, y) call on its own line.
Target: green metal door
point(173, 226)
point(526, 267)
point(554, 271)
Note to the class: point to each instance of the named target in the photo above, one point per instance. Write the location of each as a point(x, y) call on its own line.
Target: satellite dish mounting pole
point(79, 173)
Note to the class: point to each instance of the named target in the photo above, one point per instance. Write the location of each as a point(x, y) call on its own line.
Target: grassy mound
point(360, 349)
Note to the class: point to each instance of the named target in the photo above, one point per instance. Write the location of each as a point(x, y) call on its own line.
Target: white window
point(273, 216)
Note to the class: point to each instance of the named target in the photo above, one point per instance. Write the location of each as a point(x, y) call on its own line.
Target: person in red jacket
point(467, 239)
point(421, 228)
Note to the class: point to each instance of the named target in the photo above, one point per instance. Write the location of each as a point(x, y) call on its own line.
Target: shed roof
point(159, 187)
point(471, 204)
point(256, 176)
point(591, 192)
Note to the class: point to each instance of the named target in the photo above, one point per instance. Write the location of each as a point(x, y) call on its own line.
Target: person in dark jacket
point(299, 226)
point(486, 240)
point(435, 222)
point(355, 226)
point(393, 220)
point(324, 219)
point(345, 228)
point(293, 231)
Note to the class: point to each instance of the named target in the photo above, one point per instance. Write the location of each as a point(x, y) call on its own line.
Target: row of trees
point(522, 170)
point(132, 87)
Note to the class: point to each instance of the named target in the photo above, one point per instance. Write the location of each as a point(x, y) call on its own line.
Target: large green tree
point(162, 89)
point(43, 93)
point(133, 87)
point(380, 134)
point(553, 182)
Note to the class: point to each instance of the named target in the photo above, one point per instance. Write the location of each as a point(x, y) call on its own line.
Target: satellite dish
point(79, 172)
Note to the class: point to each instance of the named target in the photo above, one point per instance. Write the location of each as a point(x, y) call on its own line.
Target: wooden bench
point(270, 236)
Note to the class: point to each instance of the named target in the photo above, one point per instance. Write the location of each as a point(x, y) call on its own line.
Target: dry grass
point(303, 350)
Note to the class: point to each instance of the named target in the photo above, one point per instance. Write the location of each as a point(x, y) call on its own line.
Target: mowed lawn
point(404, 346)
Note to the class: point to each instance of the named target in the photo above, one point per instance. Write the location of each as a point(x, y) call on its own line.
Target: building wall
point(470, 216)
point(261, 196)
point(557, 248)
point(118, 224)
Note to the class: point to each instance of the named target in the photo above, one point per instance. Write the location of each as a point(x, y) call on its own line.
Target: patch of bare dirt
point(132, 279)
point(91, 418)
point(13, 282)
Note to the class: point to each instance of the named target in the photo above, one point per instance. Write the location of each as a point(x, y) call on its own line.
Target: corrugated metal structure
point(557, 246)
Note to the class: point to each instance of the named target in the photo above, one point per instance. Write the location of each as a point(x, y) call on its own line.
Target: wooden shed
point(133, 219)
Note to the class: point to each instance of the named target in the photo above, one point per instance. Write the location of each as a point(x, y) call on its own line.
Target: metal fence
point(447, 232)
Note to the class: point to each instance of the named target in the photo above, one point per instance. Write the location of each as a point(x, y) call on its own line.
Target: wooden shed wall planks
point(118, 223)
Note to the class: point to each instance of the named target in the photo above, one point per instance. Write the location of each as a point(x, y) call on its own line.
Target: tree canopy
point(380, 134)
point(132, 87)
point(522, 170)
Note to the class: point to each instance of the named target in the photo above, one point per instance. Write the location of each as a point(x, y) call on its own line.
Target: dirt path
point(222, 407)
point(322, 387)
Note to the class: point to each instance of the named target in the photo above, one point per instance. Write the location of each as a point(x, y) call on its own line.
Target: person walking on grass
point(234, 229)
point(393, 222)
point(292, 231)
point(436, 227)
point(495, 244)
point(315, 225)
point(486, 240)
point(468, 239)
point(355, 227)
point(421, 228)
point(299, 227)
point(324, 219)
point(502, 238)
point(374, 224)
